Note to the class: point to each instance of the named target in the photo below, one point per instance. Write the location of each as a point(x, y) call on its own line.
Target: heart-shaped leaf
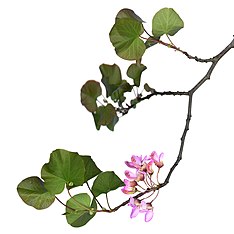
point(79, 211)
point(166, 21)
point(106, 182)
point(134, 71)
point(33, 192)
point(90, 91)
point(124, 36)
point(64, 168)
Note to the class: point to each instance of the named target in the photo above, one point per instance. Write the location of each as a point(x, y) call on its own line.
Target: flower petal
point(135, 212)
point(149, 215)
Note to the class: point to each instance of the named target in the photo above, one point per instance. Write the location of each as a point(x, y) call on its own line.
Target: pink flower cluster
point(141, 207)
point(143, 171)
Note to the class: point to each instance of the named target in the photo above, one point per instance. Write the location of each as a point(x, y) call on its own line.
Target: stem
point(64, 204)
point(107, 200)
point(94, 195)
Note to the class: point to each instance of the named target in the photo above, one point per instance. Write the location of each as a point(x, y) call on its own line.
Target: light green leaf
point(33, 193)
point(124, 36)
point(134, 71)
point(90, 91)
point(82, 211)
point(106, 182)
point(64, 168)
point(166, 21)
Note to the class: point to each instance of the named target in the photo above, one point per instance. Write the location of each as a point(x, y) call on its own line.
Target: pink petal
point(130, 175)
point(135, 212)
point(149, 215)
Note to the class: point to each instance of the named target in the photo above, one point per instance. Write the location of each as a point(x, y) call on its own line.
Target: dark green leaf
point(33, 193)
point(111, 77)
point(89, 93)
point(104, 115)
point(166, 21)
point(134, 71)
point(91, 169)
point(129, 14)
point(64, 167)
point(82, 211)
point(124, 36)
point(114, 121)
point(148, 88)
point(106, 182)
point(118, 94)
point(134, 102)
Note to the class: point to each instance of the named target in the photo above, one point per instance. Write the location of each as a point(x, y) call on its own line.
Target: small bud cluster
point(142, 174)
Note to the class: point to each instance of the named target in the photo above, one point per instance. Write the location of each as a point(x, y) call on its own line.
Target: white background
point(49, 49)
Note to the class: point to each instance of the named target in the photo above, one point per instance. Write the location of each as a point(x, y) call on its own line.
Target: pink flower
point(138, 176)
point(149, 167)
point(141, 207)
point(129, 187)
point(137, 162)
point(157, 159)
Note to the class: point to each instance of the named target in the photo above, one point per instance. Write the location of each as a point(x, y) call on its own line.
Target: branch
point(190, 93)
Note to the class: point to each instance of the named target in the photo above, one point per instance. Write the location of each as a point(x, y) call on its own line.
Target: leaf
point(166, 21)
point(64, 168)
point(148, 88)
point(90, 91)
point(111, 77)
point(134, 71)
point(129, 14)
point(124, 36)
point(106, 182)
point(118, 94)
point(33, 193)
point(91, 169)
point(151, 41)
point(104, 115)
point(114, 121)
point(134, 102)
point(83, 211)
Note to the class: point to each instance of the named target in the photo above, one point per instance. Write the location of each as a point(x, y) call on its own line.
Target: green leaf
point(91, 169)
point(128, 14)
point(111, 77)
point(104, 115)
point(90, 91)
point(148, 88)
point(64, 168)
point(166, 21)
point(106, 182)
point(134, 71)
point(124, 36)
point(114, 121)
point(151, 41)
point(118, 94)
point(82, 211)
point(33, 193)
point(134, 102)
